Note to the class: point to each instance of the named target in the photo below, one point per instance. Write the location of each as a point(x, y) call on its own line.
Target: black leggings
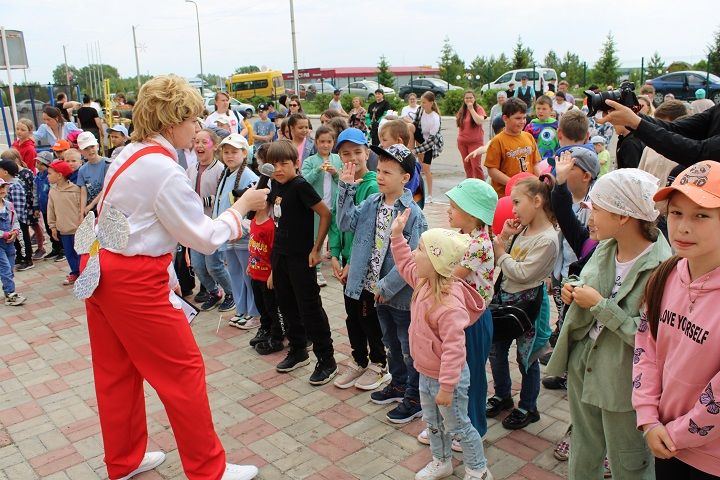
point(674, 469)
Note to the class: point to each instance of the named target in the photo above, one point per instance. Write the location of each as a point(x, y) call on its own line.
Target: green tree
point(384, 75)
point(522, 55)
point(678, 66)
point(573, 68)
point(501, 65)
point(701, 65)
point(655, 66)
point(451, 65)
point(606, 70)
point(58, 74)
point(481, 67)
point(713, 51)
point(247, 69)
point(552, 61)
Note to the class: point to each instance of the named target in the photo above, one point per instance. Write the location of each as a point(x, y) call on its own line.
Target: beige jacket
point(64, 208)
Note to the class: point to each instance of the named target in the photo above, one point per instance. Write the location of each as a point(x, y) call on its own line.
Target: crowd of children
point(632, 318)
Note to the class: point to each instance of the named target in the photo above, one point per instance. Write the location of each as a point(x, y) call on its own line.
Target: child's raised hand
point(512, 226)
point(348, 174)
point(443, 398)
point(330, 168)
point(563, 164)
point(660, 443)
point(399, 223)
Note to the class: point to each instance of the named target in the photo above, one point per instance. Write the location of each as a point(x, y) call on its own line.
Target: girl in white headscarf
point(596, 343)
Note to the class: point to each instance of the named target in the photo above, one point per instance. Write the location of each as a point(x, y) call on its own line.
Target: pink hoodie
point(438, 350)
point(676, 377)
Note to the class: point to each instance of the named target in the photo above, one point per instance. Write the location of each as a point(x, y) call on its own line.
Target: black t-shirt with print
point(87, 116)
point(295, 232)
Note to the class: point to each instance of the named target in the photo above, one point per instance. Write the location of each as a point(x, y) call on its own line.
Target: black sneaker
point(405, 411)
point(60, 258)
point(227, 304)
point(324, 371)
point(555, 383)
point(495, 406)
point(21, 267)
point(391, 393)
point(212, 302)
point(545, 358)
point(295, 359)
point(269, 346)
point(52, 255)
point(201, 297)
point(262, 335)
point(517, 419)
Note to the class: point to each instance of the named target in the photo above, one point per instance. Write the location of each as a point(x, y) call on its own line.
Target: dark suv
point(683, 85)
point(419, 86)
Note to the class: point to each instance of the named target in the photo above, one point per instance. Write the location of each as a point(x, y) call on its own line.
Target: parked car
point(418, 86)
point(234, 105)
point(366, 89)
point(683, 85)
point(24, 106)
point(515, 76)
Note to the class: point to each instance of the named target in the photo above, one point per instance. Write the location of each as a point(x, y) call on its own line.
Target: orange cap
point(61, 145)
point(700, 183)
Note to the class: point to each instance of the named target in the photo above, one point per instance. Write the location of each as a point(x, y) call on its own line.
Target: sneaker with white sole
point(253, 322)
point(14, 300)
point(424, 438)
point(483, 474)
point(320, 279)
point(351, 372)
point(150, 461)
point(435, 470)
point(374, 377)
point(239, 472)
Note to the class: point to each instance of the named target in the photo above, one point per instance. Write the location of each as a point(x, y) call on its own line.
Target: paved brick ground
point(292, 430)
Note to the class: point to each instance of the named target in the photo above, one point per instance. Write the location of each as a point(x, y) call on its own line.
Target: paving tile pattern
point(48, 413)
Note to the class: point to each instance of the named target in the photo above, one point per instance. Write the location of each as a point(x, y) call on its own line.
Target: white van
point(514, 76)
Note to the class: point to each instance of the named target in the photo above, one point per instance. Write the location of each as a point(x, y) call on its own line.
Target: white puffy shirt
point(161, 206)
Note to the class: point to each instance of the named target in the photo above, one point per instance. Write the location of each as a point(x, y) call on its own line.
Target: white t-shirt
point(429, 124)
point(233, 120)
point(409, 112)
point(327, 189)
point(561, 108)
point(335, 105)
point(621, 271)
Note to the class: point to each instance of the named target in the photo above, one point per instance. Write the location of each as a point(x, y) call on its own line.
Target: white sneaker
point(374, 377)
point(351, 372)
point(14, 300)
point(239, 472)
point(435, 470)
point(150, 460)
point(320, 279)
point(483, 474)
point(252, 323)
point(429, 199)
point(424, 438)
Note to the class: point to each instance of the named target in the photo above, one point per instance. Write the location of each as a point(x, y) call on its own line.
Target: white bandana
point(628, 192)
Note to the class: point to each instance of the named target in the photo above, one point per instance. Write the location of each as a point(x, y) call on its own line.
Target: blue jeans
point(478, 340)
point(530, 388)
point(237, 263)
point(211, 271)
point(73, 259)
point(444, 423)
point(7, 264)
point(394, 324)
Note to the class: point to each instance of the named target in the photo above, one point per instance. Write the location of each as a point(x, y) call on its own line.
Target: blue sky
point(341, 33)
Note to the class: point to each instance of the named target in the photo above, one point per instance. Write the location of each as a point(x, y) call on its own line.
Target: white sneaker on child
point(435, 470)
point(239, 472)
point(424, 438)
point(150, 460)
point(483, 474)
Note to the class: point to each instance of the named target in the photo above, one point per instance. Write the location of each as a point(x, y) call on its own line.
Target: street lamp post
point(137, 62)
point(296, 80)
point(197, 18)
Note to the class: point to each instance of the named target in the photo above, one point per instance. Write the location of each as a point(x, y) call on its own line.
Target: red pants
point(473, 168)
point(136, 334)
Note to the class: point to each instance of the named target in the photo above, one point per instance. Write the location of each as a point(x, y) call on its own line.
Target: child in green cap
point(472, 208)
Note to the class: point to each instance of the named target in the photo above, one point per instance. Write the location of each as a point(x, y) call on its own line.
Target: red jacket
point(27, 152)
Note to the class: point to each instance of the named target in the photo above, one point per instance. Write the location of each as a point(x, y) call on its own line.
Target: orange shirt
point(511, 154)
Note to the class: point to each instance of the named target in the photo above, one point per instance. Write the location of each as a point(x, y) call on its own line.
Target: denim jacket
point(361, 219)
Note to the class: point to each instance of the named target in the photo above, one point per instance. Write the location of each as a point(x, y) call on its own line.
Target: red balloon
point(503, 212)
point(515, 179)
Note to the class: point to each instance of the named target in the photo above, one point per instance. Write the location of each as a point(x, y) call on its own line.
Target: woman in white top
point(430, 145)
point(409, 112)
point(222, 107)
point(54, 127)
point(137, 329)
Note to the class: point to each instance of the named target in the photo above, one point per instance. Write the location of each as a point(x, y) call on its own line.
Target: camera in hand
point(625, 95)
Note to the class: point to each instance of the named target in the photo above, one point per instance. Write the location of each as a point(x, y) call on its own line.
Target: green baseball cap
point(476, 198)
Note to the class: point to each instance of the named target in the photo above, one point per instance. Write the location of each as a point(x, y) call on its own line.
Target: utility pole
point(197, 19)
point(296, 79)
point(67, 72)
point(137, 62)
point(91, 83)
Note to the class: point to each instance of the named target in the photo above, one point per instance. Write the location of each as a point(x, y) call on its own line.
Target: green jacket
point(341, 242)
point(608, 378)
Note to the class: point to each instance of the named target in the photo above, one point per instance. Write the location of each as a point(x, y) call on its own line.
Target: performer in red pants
point(137, 331)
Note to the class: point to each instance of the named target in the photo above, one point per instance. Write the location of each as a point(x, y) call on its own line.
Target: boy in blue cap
point(367, 369)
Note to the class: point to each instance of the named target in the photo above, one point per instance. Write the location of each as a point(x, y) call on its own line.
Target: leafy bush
point(396, 103)
point(451, 102)
point(320, 102)
point(255, 101)
point(346, 102)
point(488, 99)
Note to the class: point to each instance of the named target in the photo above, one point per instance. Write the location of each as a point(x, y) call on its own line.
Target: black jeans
point(267, 306)
point(23, 255)
point(674, 469)
point(364, 330)
point(56, 244)
point(184, 272)
point(298, 296)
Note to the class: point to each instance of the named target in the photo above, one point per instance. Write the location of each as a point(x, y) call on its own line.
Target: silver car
point(234, 105)
point(366, 89)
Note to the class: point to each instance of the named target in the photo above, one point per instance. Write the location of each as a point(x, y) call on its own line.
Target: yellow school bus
point(258, 84)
